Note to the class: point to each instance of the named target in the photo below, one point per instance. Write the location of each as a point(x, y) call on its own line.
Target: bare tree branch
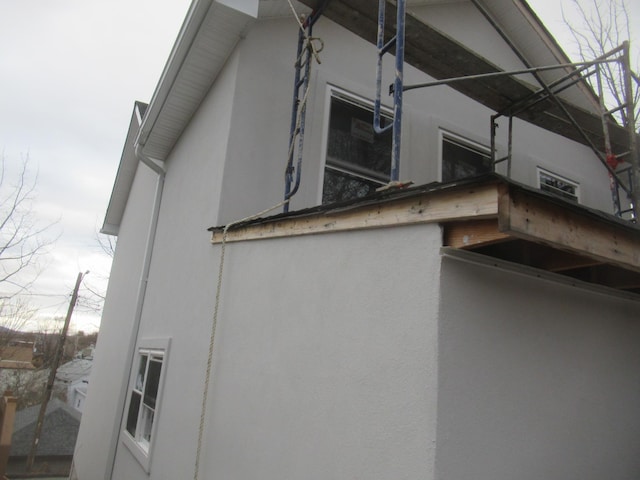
point(599, 27)
point(23, 240)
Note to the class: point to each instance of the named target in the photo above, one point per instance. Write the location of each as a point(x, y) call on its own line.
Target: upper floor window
point(462, 158)
point(557, 185)
point(358, 160)
point(144, 398)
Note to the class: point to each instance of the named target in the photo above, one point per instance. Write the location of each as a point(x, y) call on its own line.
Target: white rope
point(207, 381)
point(203, 409)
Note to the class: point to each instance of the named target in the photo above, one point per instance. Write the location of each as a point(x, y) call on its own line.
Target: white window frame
point(461, 140)
point(543, 171)
point(358, 101)
point(137, 445)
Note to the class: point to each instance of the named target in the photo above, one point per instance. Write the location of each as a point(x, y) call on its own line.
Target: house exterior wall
point(326, 353)
point(335, 380)
point(537, 379)
point(258, 139)
point(111, 363)
point(180, 292)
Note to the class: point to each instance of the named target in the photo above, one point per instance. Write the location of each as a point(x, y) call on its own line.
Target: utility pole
point(52, 374)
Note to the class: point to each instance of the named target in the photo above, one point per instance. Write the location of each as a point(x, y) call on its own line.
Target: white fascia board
point(124, 177)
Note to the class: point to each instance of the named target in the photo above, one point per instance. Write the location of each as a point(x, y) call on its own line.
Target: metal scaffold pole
point(634, 160)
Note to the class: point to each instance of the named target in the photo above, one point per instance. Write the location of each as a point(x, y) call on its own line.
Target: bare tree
point(23, 240)
point(599, 27)
point(15, 315)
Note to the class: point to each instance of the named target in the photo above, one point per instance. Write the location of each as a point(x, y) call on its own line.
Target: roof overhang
point(208, 35)
point(490, 216)
point(124, 177)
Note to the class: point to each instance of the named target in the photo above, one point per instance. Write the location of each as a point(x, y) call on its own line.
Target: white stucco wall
point(327, 349)
point(326, 358)
point(537, 379)
point(111, 364)
point(258, 141)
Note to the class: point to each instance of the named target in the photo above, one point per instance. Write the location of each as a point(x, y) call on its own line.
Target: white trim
point(158, 347)
point(487, 261)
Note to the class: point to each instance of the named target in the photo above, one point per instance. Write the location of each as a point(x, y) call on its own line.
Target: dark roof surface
point(59, 432)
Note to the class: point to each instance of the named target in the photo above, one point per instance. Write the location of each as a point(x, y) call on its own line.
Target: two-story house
point(479, 324)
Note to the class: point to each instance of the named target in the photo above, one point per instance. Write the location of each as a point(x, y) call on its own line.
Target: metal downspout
point(157, 167)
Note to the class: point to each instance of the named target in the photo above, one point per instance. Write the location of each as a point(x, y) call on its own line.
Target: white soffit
point(207, 38)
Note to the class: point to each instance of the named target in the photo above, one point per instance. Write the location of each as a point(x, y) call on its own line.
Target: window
point(557, 185)
point(358, 160)
point(462, 158)
point(144, 398)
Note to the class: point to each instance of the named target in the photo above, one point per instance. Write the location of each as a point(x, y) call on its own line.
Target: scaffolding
point(609, 132)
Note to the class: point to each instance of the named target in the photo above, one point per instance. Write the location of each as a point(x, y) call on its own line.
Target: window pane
point(358, 160)
point(353, 141)
point(459, 161)
point(339, 186)
point(558, 186)
point(141, 371)
point(132, 417)
point(147, 423)
point(153, 381)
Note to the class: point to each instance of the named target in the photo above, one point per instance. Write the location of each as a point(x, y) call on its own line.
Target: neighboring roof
point(74, 370)
point(17, 356)
point(489, 215)
point(59, 430)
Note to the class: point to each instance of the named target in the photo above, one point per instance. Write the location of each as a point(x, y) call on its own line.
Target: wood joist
point(492, 217)
point(442, 57)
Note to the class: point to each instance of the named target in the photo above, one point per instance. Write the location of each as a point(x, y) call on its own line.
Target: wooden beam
point(535, 218)
point(473, 234)
point(443, 205)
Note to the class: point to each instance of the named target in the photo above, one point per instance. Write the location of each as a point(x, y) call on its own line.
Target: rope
point(207, 381)
point(298, 18)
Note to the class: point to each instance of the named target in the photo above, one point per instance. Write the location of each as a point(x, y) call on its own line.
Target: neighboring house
point(479, 325)
point(73, 379)
point(57, 440)
point(17, 355)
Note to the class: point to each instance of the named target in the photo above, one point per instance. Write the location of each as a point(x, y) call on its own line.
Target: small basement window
point(358, 160)
point(463, 158)
point(557, 185)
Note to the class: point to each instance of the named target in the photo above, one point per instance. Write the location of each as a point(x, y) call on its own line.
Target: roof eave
point(209, 34)
point(124, 177)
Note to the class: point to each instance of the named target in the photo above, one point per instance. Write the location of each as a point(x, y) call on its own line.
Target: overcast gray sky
point(71, 70)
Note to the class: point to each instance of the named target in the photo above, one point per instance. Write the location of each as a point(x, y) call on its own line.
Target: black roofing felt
point(414, 191)
point(59, 431)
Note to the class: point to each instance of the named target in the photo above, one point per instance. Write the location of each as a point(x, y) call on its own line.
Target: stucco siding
point(325, 358)
point(179, 295)
point(258, 137)
point(111, 363)
point(536, 379)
